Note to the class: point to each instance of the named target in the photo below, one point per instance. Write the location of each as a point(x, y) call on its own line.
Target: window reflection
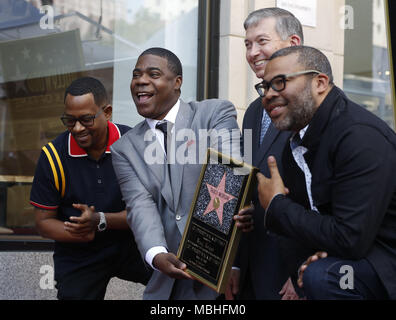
point(98, 38)
point(366, 65)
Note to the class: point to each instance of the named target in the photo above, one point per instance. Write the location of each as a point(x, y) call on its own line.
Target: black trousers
point(337, 279)
point(90, 281)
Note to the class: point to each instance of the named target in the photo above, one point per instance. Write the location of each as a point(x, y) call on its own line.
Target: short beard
point(300, 112)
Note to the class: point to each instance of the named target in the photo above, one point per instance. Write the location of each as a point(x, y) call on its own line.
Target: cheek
point(251, 54)
point(104, 121)
point(248, 56)
point(132, 86)
point(96, 133)
point(163, 92)
point(268, 50)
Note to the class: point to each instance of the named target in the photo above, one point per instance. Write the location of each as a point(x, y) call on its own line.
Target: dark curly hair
point(174, 63)
point(86, 85)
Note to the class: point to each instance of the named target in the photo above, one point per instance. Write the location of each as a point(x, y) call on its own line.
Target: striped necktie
point(265, 123)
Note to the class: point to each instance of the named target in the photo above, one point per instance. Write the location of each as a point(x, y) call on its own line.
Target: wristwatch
point(102, 222)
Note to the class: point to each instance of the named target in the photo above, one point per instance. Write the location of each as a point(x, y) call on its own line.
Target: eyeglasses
point(86, 121)
point(278, 83)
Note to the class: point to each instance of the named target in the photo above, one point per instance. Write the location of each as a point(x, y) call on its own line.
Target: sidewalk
point(20, 279)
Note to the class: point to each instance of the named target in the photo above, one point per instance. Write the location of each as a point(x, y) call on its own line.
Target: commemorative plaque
point(211, 238)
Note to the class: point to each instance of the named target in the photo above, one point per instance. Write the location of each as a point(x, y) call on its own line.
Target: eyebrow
point(265, 35)
point(281, 74)
point(82, 116)
point(148, 69)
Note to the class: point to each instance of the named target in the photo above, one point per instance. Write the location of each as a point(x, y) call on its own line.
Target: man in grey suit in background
point(157, 187)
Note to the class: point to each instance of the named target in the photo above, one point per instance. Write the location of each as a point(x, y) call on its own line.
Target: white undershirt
point(298, 154)
point(171, 117)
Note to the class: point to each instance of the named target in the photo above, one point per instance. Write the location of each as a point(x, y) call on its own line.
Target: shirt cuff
point(151, 253)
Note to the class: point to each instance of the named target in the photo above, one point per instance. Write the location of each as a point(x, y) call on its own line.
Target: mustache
point(80, 134)
point(274, 101)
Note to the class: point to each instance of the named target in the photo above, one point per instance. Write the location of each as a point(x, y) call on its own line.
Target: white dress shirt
point(171, 117)
point(298, 154)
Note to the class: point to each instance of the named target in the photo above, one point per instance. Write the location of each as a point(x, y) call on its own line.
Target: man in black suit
point(259, 272)
point(339, 174)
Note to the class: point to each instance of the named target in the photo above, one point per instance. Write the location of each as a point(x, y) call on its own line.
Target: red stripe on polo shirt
point(114, 135)
point(76, 151)
point(41, 206)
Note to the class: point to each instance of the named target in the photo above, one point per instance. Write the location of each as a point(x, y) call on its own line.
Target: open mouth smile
point(275, 110)
point(144, 96)
point(260, 63)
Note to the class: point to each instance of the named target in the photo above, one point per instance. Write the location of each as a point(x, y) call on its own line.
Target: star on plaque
point(218, 198)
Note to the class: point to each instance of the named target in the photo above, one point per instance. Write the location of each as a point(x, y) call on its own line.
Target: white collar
point(303, 131)
point(171, 116)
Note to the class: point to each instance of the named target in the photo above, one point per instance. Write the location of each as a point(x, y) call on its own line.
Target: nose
point(254, 50)
point(78, 127)
point(269, 95)
point(140, 80)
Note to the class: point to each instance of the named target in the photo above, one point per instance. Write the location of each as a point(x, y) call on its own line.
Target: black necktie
point(164, 126)
point(296, 141)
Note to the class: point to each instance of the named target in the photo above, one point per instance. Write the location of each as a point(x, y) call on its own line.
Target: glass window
point(366, 70)
point(41, 52)
point(172, 24)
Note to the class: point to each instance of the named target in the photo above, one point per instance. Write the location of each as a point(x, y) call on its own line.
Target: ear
point(320, 88)
point(321, 83)
point(108, 111)
point(178, 82)
point(295, 40)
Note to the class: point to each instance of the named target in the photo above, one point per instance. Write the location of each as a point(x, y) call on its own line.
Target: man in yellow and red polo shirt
point(78, 202)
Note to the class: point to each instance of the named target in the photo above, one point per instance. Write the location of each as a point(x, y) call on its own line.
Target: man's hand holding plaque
point(220, 211)
point(170, 265)
point(244, 219)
